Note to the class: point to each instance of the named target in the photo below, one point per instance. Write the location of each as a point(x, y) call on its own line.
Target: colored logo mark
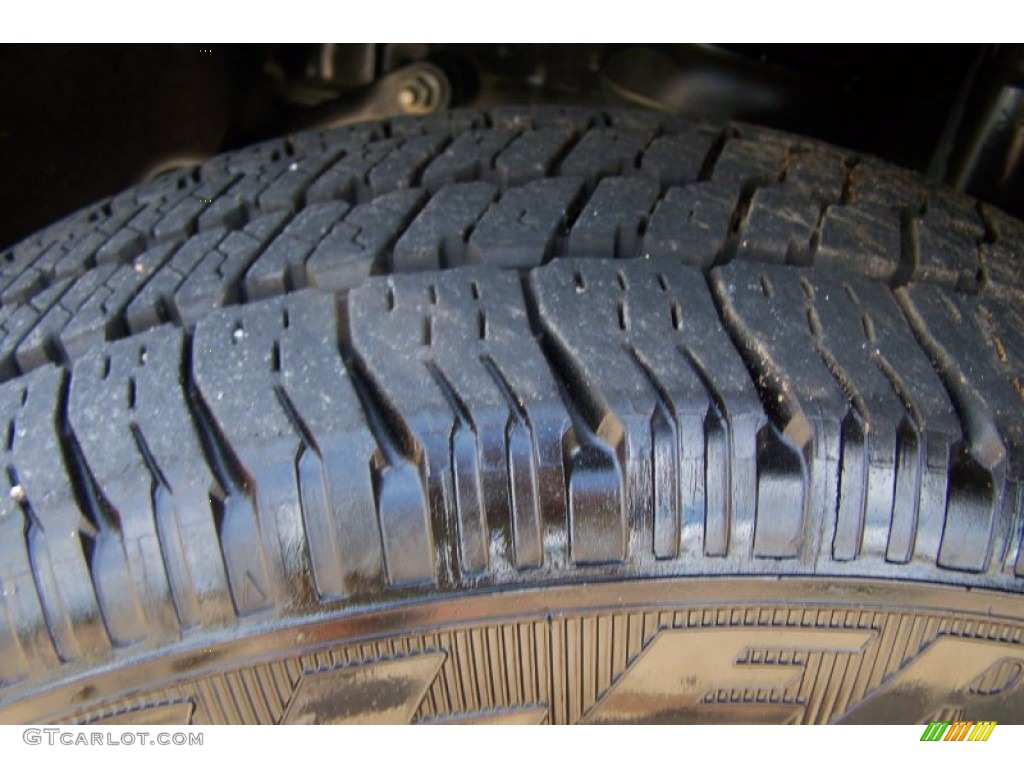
point(939, 730)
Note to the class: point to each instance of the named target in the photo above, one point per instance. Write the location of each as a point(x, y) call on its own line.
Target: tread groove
point(399, 471)
point(229, 491)
point(594, 472)
point(978, 470)
point(297, 422)
point(707, 166)
point(633, 347)
point(667, 523)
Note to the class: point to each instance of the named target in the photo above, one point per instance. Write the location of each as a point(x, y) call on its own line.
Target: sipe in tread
point(485, 350)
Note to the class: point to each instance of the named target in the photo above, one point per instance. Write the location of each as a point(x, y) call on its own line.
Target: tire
point(532, 415)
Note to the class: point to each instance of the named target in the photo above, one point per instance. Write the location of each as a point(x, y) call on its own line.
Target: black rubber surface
point(481, 349)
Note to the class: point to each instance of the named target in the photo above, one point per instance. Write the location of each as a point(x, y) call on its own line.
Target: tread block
point(451, 122)
point(316, 142)
point(252, 158)
point(977, 347)
point(606, 151)
point(78, 243)
point(239, 203)
point(80, 256)
point(364, 173)
point(49, 546)
point(877, 183)
point(747, 161)
point(282, 265)
point(677, 159)
point(645, 120)
point(948, 237)
point(454, 367)
point(833, 357)
point(33, 350)
point(205, 272)
point(531, 156)
point(276, 388)
point(470, 157)
point(215, 279)
point(540, 118)
point(520, 229)
point(25, 645)
point(288, 191)
point(437, 236)
point(17, 321)
point(114, 212)
point(181, 219)
point(34, 279)
point(609, 225)
point(359, 244)
point(22, 287)
point(1003, 256)
point(1003, 266)
point(22, 256)
point(129, 414)
point(861, 239)
point(90, 312)
point(154, 208)
point(153, 304)
point(122, 246)
point(778, 227)
point(690, 223)
point(346, 178)
point(143, 216)
point(404, 164)
point(657, 383)
point(816, 174)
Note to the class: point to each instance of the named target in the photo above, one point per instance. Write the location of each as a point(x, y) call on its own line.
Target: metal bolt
point(421, 94)
point(407, 98)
